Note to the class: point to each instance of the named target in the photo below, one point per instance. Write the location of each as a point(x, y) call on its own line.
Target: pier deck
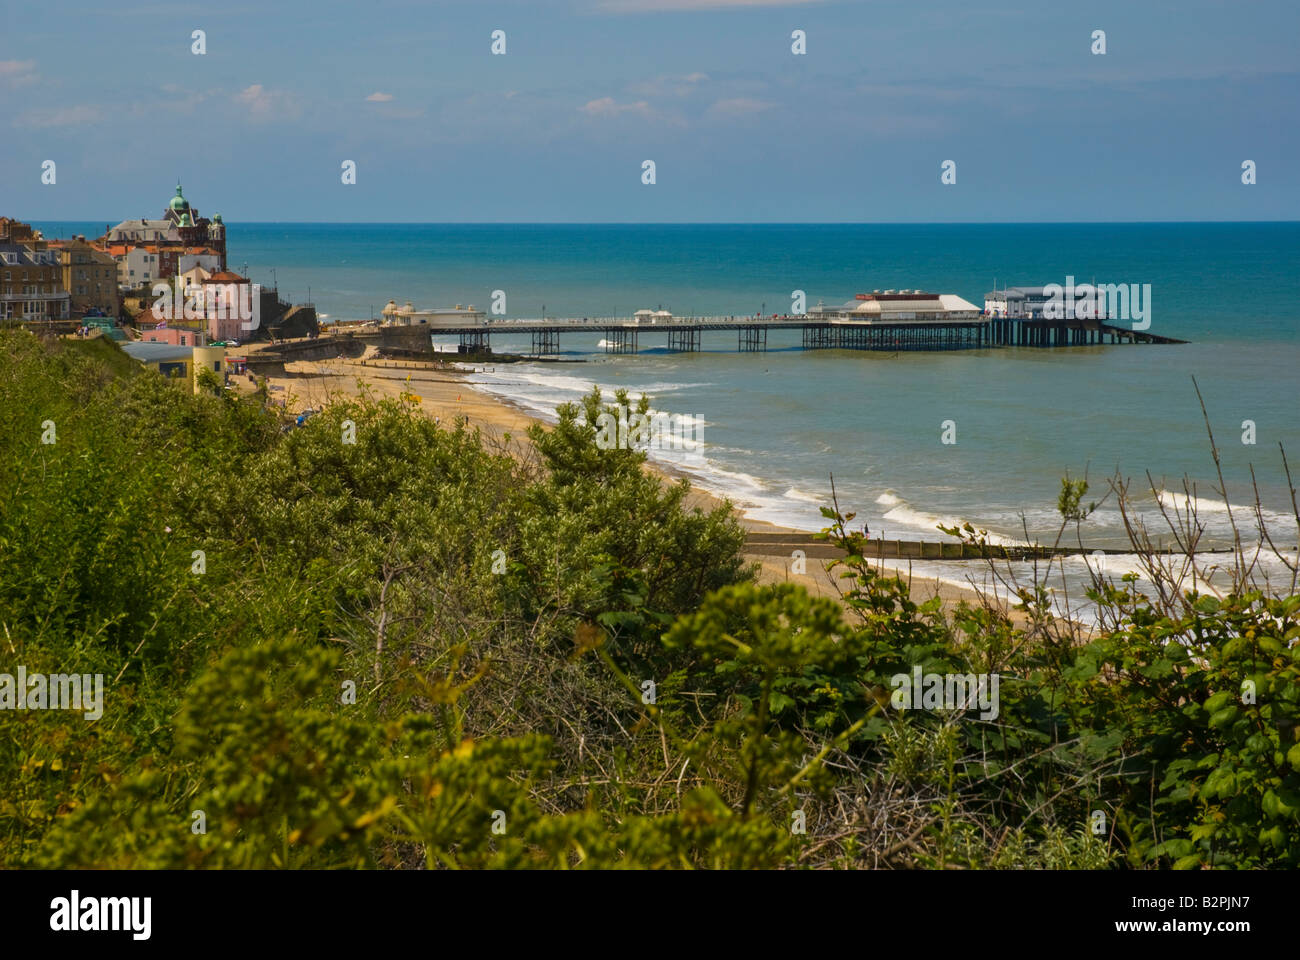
point(684, 334)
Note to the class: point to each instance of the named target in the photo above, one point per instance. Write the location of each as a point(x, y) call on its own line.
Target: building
point(31, 278)
point(199, 307)
point(178, 232)
point(89, 276)
point(179, 363)
point(136, 265)
point(900, 306)
point(1030, 303)
point(457, 316)
point(175, 336)
point(222, 307)
point(232, 306)
point(14, 231)
point(205, 257)
point(190, 280)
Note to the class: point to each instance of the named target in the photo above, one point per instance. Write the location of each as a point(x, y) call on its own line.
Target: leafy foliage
point(419, 651)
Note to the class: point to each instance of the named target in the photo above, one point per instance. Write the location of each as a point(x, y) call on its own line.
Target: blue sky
point(739, 128)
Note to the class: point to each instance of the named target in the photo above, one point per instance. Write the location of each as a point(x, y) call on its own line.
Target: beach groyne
point(784, 544)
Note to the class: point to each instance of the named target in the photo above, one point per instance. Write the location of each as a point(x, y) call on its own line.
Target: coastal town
point(110, 286)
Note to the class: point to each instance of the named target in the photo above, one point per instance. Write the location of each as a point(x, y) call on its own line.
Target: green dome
point(216, 218)
point(179, 203)
point(186, 221)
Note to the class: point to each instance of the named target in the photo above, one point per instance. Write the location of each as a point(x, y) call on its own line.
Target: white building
point(210, 261)
point(1030, 303)
point(138, 265)
point(901, 306)
point(408, 315)
point(193, 278)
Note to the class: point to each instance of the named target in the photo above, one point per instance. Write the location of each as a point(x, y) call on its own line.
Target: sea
point(780, 428)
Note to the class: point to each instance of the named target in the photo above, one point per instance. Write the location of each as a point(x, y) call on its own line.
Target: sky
point(739, 127)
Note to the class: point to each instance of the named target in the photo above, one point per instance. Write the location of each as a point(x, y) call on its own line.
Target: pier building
point(1032, 303)
point(899, 306)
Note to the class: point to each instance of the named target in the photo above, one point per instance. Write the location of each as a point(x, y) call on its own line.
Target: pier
point(1067, 333)
point(622, 335)
point(684, 334)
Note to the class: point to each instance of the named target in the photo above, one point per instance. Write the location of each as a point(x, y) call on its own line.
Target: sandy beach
point(444, 394)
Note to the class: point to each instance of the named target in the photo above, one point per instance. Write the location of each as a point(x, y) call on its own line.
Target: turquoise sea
point(778, 425)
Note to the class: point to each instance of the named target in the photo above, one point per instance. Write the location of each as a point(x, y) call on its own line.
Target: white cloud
point(609, 107)
point(17, 73)
point(266, 104)
point(257, 99)
point(680, 86)
point(59, 117)
point(740, 107)
point(378, 97)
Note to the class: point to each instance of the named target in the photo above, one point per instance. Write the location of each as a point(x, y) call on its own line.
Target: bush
point(413, 651)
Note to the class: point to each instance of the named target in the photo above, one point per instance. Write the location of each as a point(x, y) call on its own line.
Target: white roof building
point(408, 315)
point(902, 306)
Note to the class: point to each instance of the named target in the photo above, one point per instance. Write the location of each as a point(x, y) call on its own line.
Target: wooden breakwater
point(784, 544)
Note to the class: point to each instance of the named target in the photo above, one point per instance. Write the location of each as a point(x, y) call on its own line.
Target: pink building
point(176, 336)
point(232, 306)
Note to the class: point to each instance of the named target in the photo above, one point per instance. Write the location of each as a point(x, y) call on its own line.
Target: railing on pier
point(818, 331)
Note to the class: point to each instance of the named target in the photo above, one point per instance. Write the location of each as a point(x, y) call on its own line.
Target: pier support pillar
point(816, 336)
point(684, 339)
point(752, 339)
point(620, 340)
point(475, 341)
point(546, 341)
